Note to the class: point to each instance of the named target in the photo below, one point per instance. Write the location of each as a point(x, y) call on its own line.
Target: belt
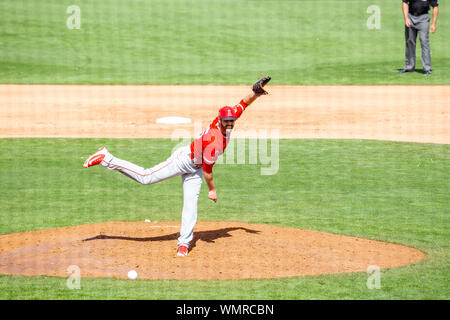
point(193, 163)
point(418, 14)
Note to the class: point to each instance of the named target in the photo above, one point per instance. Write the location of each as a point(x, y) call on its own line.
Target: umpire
point(417, 19)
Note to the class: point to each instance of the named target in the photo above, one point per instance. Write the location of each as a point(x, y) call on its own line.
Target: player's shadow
point(207, 236)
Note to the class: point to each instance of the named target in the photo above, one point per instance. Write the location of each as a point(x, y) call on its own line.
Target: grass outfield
point(389, 191)
point(211, 42)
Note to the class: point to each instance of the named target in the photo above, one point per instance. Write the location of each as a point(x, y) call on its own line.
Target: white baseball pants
point(178, 164)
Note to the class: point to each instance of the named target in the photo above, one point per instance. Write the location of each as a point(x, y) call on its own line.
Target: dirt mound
point(220, 250)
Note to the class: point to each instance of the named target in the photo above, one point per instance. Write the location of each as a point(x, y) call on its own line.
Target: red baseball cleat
point(182, 251)
point(96, 158)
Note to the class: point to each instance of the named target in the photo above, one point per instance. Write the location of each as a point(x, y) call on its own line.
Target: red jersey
point(212, 143)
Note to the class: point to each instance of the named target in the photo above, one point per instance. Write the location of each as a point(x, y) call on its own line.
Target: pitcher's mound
point(220, 250)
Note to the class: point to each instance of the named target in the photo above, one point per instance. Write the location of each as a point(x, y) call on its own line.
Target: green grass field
point(395, 192)
point(211, 42)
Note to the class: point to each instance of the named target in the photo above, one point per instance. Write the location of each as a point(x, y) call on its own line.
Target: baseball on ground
point(132, 274)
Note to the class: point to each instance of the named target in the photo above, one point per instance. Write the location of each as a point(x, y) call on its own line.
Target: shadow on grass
point(412, 71)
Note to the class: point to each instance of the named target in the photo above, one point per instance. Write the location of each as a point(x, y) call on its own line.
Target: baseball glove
point(258, 87)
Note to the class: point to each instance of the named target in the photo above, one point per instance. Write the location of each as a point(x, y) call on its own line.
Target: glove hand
point(258, 87)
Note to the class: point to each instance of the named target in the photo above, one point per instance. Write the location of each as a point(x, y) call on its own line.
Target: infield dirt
point(396, 113)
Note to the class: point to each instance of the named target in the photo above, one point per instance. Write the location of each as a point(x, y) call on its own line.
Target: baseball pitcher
point(192, 163)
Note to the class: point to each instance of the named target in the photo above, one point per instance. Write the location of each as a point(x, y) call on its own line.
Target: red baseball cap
point(227, 113)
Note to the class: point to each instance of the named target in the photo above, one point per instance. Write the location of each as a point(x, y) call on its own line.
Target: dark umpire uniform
point(419, 20)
